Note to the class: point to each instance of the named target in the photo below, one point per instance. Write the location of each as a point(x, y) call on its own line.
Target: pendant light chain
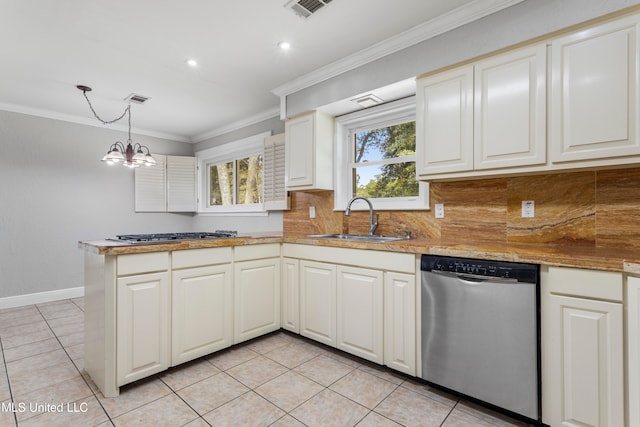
point(108, 122)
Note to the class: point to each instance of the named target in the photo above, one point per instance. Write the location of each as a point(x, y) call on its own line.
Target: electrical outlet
point(439, 210)
point(312, 211)
point(528, 209)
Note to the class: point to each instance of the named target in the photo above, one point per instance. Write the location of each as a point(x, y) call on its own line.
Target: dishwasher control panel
point(502, 269)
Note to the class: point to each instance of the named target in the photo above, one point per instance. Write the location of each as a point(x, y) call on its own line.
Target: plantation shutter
point(275, 195)
point(150, 194)
point(181, 184)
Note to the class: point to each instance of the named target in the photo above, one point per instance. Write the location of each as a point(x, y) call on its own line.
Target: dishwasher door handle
point(473, 278)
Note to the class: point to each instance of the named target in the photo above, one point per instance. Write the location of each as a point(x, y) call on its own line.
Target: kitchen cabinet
point(633, 348)
point(318, 287)
point(290, 295)
point(582, 347)
point(309, 152)
point(400, 322)
point(169, 186)
point(487, 115)
point(360, 301)
point(359, 312)
point(594, 93)
point(202, 302)
point(256, 290)
point(143, 322)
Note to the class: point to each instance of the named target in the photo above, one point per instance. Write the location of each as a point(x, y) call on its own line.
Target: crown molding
point(48, 114)
point(260, 117)
point(429, 29)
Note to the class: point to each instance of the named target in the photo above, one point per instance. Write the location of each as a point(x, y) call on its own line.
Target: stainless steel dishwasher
point(480, 330)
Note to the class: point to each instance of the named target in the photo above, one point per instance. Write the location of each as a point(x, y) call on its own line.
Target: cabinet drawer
point(605, 285)
point(201, 257)
point(244, 253)
point(142, 263)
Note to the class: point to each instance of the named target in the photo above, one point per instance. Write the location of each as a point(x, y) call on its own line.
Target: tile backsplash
point(592, 208)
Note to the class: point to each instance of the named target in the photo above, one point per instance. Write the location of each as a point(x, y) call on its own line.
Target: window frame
point(229, 152)
point(389, 114)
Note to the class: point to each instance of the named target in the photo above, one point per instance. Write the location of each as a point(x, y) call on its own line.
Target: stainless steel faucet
point(372, 225)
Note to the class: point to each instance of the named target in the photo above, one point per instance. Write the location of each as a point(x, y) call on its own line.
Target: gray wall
point(522, 22)
point(55, 191)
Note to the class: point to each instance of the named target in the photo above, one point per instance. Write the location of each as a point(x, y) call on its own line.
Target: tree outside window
point(384, 162)
point(237, 182)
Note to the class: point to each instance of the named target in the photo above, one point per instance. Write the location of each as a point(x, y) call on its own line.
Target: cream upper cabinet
point(359, 310)
point(582, 348)
point(309, 152)
point(487, 115)
point(594, 96)
point(510, 109)
point(444, 122)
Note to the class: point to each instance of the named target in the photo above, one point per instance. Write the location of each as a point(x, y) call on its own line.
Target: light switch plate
point(439, 210)
point(312, 211)
point(528, 209)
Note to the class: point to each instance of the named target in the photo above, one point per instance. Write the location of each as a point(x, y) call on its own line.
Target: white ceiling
point(119, 47)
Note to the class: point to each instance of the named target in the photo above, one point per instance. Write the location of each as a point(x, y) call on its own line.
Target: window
point(231, 177)
point(376, 158)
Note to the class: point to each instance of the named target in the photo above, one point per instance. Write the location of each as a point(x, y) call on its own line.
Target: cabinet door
point(143, 326)
point(594, 93)
point(359, 309)
point(290, 295)
point(400, 322)
point(510, 109)
point(318, 301)
point(582, 362)
point(257, 298)
point(202, 311)
point(299, 151)
point(444, 122)
point(633, 349)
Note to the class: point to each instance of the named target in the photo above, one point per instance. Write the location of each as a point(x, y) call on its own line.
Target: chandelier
point(130, 156)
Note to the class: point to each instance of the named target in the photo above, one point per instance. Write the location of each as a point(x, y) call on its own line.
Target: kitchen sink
point(359, 237)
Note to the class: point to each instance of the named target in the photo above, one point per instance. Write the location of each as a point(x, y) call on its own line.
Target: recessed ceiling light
point(284, 45)
point(192, 63)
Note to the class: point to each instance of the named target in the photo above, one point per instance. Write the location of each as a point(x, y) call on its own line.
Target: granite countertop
point(611, 259)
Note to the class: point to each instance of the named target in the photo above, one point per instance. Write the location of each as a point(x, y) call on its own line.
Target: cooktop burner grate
point(168, 237)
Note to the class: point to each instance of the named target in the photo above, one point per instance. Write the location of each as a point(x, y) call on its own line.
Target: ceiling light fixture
point(132, 155)
point(192, 63)
point(284, 45)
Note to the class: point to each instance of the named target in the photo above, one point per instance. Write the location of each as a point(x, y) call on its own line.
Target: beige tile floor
point(278, 380)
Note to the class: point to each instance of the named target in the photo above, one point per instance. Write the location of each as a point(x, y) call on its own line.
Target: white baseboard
point(40, 297)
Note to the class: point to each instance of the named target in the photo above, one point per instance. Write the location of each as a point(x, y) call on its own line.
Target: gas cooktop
point(170, 237)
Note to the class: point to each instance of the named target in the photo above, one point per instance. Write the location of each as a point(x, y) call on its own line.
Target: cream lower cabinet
point(290, 295)
point(256, 290)
point(202, 303)
point(143, 326)
point(582, 348)
point(359, 312)
point(318, 301)
point(360, 301)
point(633, 349)
point(400, 322)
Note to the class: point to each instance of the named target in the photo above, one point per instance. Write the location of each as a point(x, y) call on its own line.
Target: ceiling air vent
point(306, 8)
point(137, 99)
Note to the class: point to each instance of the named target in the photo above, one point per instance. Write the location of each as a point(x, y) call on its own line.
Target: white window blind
point(181, 184)
point(275, 194)
point(150, 194)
